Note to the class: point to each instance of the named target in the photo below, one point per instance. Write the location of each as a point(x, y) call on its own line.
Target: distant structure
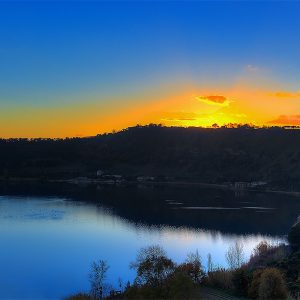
point(99, 173)
point(240, 185)
point(109, 178)
point(258, 183)
point(145, 178)
point(113, 177)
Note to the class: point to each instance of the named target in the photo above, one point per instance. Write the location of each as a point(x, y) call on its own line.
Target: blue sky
point(59, 53)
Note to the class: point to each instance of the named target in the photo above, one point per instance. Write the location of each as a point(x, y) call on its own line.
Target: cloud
point(286, 94)
point(286, 120)
point(252, 68)
point(214, 100)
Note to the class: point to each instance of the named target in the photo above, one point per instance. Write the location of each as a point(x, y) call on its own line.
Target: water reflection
point(48, 243)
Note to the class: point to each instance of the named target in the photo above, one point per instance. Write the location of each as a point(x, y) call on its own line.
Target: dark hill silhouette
point(203, 154)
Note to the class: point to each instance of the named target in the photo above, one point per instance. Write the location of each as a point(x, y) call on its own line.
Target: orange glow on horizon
point(187, 106)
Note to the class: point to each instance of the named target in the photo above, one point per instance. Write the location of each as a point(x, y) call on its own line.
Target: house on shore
point(241, 185)
point(145, 178)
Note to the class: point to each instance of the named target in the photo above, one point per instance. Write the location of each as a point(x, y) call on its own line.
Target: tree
point(120, 283)
point(153, 266)
point(97, 277)
point(264, 254)
point(209, 263)
point(262, 249)
point(194, 266)
point(235, 256)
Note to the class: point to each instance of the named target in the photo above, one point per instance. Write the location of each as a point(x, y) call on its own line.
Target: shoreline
point(91, 181)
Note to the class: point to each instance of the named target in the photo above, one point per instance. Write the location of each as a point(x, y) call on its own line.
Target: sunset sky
point(82, 68)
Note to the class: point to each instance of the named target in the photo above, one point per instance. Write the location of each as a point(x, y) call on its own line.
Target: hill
point(204, 154)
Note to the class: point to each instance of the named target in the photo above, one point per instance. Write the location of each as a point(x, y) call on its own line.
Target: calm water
point(50, 236)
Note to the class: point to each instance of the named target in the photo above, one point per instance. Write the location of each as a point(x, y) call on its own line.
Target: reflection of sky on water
point(47, 245)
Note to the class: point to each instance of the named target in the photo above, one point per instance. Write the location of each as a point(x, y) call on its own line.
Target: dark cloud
point(286, 120)
point(214, 100)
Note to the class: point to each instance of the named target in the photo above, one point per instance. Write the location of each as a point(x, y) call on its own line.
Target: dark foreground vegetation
point(209, 155)
point(273, 272)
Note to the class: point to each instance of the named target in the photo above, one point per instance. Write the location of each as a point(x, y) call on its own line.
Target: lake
point(50, 234)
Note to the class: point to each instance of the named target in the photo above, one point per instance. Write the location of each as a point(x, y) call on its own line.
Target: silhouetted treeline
point(208, 155)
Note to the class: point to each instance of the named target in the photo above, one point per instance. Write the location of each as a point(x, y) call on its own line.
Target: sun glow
point(185, 106)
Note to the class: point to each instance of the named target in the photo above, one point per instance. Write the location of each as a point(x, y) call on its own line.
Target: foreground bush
point(153, 266)
point(264, 254)
point(268, 284)
point(180, 286)
point(220, 278)
point(158, 277)
point(291, 268)
point(192, 267)
point(240, 281)
point(80, 296)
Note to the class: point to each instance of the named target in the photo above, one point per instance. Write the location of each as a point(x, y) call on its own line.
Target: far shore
point(82, 181)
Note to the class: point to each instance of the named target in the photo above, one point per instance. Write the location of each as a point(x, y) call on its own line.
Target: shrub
point(180, 286)
point(254, 285)
point(267, 284)
point(153, 266)
point(192, 267)
point(177, 286)
point(264, 254)
point(272, 285)
point(240, 281)
point(220, 278)
point(140, 292)
point(80, 296)
point(291, 268)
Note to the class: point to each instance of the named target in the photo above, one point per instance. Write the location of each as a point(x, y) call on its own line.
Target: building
point(99, 173)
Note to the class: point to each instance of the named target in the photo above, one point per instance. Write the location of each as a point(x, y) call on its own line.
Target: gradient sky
point(82, 68)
